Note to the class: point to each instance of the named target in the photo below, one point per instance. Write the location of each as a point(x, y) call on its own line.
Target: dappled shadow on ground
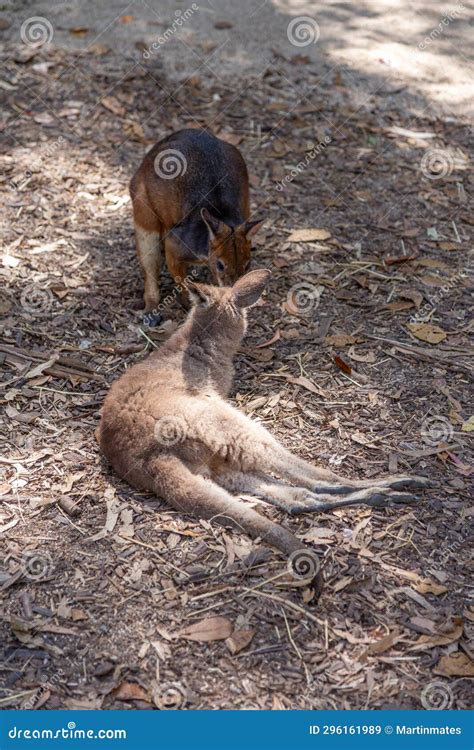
point(384, 185)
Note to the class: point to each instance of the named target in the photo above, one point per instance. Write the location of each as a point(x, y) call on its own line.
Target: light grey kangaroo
point(167, 427)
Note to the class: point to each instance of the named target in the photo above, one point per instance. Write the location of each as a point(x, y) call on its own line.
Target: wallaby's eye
point(220, 266)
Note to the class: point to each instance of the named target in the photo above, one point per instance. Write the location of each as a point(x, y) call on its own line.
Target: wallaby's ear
point(252, 227)
point(197, 294)
point(247, 290)
point(214, 225)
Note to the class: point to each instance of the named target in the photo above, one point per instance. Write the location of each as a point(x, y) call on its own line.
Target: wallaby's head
point(223, 309)
point(229, 248)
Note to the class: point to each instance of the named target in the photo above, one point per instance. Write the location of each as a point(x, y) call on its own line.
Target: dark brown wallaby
point(190, 198)
point(167, 427)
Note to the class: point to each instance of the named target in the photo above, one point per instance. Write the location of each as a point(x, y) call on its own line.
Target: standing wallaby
point(190, 197)
point(167, 427)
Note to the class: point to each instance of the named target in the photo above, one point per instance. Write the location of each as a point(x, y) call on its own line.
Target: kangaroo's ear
point(214, 225)
point(250, 228)
point(198, 294)
point(248, 289)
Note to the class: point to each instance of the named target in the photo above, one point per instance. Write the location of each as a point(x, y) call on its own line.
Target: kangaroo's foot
point(375, 497)
point(394, 483)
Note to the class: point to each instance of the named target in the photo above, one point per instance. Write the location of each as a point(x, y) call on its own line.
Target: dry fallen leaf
point(438, 639)
point(239, 640)
point(413, 295)
point(427, 332)
point(340, 339)
point(209, 629)
point(428, 586)
point(469, 425)
point(455, 665)
point(309, 235)
point(398, 305)
point(367, 357)
point(342, 365)
point(113, 105)
point(305, 383)
point(130, 691)
point(383, 644)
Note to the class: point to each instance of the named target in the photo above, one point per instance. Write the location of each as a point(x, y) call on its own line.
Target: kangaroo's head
point(229, 248)
point(221, 312)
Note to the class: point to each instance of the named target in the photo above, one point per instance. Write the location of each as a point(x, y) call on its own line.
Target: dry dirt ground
point(360, 357)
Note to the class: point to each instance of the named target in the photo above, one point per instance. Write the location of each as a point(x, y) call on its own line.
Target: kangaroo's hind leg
point(251, 448)
point(171, 479)
point(297, 500)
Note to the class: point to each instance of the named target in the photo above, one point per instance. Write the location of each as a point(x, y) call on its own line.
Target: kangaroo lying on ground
point(167, 427)
point(190, 198)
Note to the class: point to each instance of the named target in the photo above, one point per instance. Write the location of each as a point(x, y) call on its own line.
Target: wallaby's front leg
point(178, 270)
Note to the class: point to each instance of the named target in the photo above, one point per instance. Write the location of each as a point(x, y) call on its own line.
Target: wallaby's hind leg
point(149, 255)
point(171, 479)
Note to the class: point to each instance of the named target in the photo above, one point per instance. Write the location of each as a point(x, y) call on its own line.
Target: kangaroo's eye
point(220, 266)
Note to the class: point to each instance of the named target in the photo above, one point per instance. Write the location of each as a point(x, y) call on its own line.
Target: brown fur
point(190, 199)
point(168, 428)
